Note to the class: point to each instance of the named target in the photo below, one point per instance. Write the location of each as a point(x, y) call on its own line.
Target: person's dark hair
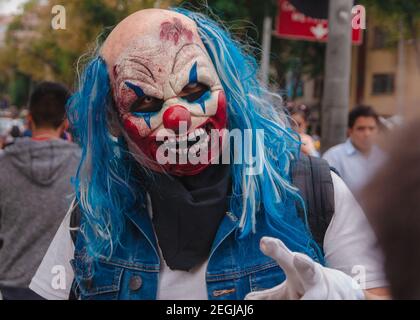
point(391, 203)
point(15, 132)
point(47, 104)
point(362, 111)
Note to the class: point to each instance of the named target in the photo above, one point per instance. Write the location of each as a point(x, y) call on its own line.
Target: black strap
point(73, 295)
point(312, 176)
point(74, 222)
point(75, 217)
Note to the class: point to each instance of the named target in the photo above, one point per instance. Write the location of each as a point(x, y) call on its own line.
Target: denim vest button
point(135, 283)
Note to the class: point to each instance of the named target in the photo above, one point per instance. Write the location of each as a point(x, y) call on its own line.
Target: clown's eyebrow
point(139, 92)
point(180, 50)
point(136, 60)
point(193, 74)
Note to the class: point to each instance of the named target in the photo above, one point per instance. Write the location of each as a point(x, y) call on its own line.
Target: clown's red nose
point(174, 115)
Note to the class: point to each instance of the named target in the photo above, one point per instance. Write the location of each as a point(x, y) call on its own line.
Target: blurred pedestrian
point(391, 202)
point(13, 134)
point(1, 145)
point(359, 157)
point(300, 116)
point(35, 190)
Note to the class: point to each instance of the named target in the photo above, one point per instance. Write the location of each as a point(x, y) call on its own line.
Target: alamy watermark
point(58, 281)
point(359, 17)
point(194, 147)
point(358, 273)
point(58, 21)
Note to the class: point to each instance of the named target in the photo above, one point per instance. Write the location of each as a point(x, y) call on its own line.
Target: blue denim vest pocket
point(268, 277)
point(236, 285)
point(113, 279)
point(96, 280)
point(138, 281)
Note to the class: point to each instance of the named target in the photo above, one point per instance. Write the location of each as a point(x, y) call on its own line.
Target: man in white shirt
point(357, 158)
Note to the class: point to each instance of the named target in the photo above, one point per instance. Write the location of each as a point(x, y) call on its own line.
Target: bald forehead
point(151, 24)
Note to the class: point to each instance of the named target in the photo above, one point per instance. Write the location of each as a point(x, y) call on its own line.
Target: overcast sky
point(10, 6)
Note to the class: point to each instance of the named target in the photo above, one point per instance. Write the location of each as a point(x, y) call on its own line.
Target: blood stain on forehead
point(173, 31)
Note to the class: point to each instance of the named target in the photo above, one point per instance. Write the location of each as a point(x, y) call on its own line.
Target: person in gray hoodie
point(35, 190)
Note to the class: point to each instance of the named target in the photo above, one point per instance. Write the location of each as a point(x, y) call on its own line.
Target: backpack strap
point(74, 224)
point(75, 217)
point(312, 176)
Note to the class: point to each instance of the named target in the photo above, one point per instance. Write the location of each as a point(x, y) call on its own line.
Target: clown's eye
point(147, 104)
point(193, 91)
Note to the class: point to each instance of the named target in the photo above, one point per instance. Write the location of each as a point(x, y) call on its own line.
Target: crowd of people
point(123, 227)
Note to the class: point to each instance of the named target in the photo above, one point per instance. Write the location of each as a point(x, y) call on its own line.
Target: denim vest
point(235, 267)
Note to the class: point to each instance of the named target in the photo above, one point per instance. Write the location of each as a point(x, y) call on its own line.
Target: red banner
point(292, 24)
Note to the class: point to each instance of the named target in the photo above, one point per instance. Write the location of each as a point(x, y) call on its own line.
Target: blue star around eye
point(193, 78)
point(139, 92)
point(146, 116)
point(193, 74)
point(202, 100)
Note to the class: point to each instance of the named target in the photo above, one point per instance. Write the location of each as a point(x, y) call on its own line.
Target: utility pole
point(335, 104)
point(266, 45)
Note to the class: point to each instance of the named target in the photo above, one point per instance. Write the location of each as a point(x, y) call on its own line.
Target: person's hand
point(305, 279)
point(308, 146)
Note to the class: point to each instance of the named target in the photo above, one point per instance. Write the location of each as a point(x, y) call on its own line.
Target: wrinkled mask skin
point(162, 81)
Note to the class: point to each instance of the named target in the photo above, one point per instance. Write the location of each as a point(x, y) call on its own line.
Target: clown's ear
point(114, 124)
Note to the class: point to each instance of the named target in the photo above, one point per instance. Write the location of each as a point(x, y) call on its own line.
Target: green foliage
point(389, 13)
point(19, 89)
point(33, 51)
point(400, 19)
point(37, 52)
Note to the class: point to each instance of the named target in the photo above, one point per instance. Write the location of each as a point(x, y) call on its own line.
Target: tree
point(34, 51)
point(393, 13)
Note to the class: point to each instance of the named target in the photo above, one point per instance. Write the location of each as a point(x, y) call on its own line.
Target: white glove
point(305, 279)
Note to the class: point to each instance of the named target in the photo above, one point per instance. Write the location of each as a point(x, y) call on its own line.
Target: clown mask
point(167, 94)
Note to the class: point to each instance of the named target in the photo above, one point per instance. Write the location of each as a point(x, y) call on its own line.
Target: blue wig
point(251, 106)
point(104, 183)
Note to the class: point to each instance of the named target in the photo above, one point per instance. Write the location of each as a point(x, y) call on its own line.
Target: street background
point(383, 65)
